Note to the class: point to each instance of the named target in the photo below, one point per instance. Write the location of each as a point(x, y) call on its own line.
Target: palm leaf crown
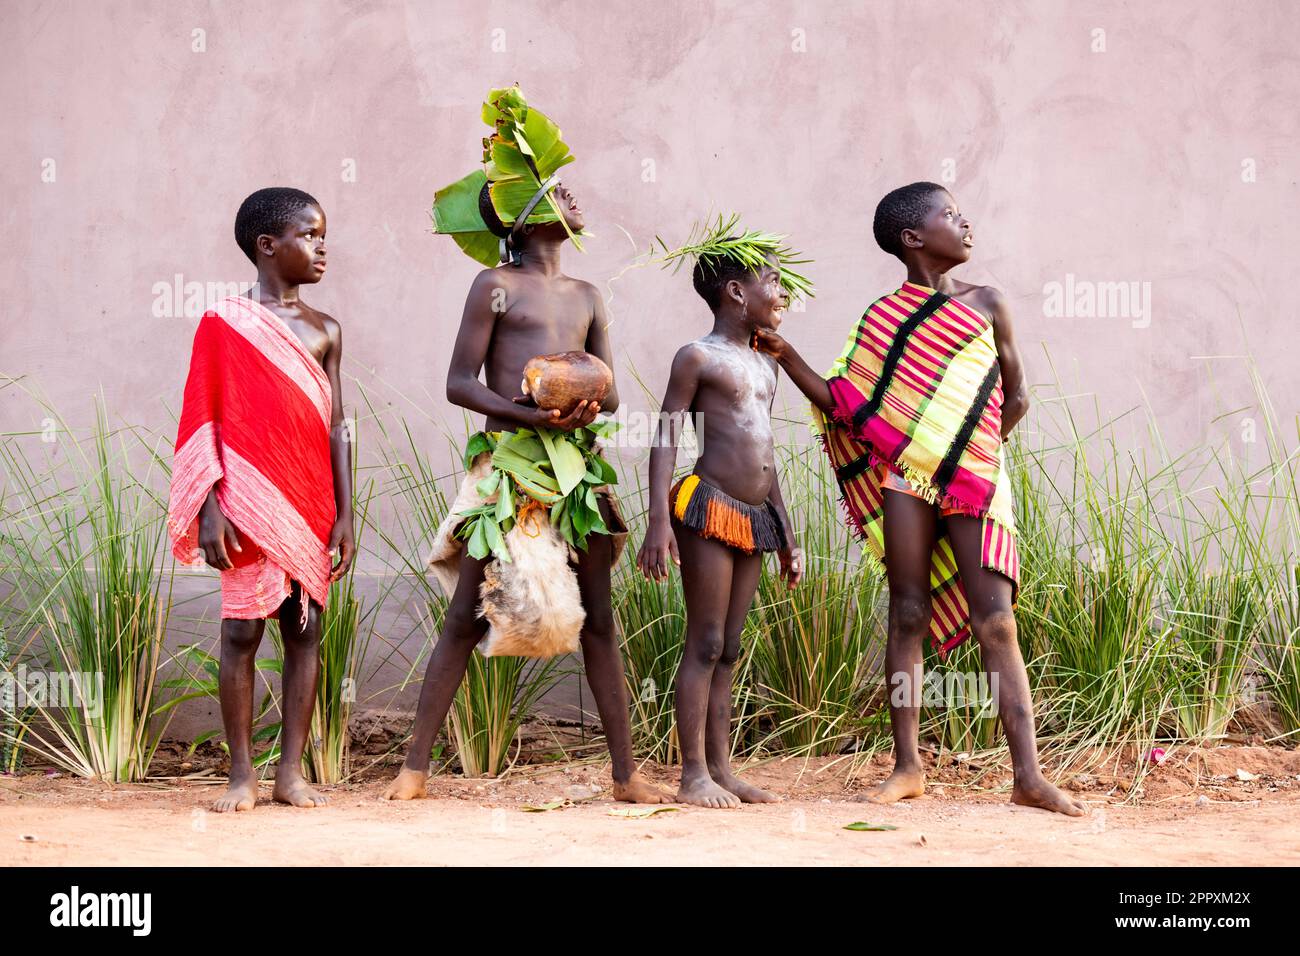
point(710, 242)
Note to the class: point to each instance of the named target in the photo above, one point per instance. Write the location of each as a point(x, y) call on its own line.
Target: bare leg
point(301, 673)
point(745, 572)
point(707, 583)
point(988, 594)
point(239, 643)
point(910, 525)
point(462, 629)
point(603, 664)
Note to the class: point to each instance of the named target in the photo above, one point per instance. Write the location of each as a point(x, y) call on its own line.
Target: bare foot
point(637, 789)
point(295, 792)
point(1037, 792)
point(240, 795)
point(747, 792)
point(409, 785)
point(703, 792)
point(899, 785)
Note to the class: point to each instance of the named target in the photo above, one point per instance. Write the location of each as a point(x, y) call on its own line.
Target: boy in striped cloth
point(913, 415)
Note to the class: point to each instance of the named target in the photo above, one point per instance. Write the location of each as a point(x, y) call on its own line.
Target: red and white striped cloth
point(255, 422)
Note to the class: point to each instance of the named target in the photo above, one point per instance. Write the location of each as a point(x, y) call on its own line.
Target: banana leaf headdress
point(485, 211)
point(710, 243)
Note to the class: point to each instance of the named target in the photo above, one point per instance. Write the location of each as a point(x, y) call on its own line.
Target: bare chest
point(537, 322)
point(309, 327)
point(739, 382)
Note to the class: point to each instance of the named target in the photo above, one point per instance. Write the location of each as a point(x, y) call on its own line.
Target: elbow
point(455, 391)
point(822, 398)
point(1016, 407)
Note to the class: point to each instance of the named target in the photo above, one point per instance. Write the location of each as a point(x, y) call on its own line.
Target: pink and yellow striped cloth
point(918, 392)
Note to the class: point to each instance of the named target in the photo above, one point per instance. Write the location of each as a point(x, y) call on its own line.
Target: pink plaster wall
point(1122, 165)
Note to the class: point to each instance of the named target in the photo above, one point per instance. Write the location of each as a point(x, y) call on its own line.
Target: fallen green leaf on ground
point(859, 825)
point(548, 805)
point(638, 813)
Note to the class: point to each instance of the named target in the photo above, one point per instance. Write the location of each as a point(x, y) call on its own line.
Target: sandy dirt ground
point(1225, 806)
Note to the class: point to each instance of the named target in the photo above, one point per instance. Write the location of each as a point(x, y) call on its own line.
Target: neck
point(731, 327)
point(542, 255)
point(271, 288)
point(932, 275)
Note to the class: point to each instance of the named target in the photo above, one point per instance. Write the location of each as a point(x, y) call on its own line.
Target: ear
point(912, 239)
point(734, 290)
point(527, 229)
point(266, 244)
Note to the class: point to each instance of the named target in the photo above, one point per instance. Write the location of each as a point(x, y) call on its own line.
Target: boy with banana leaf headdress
point(717, 522)
point(914, 414)
point(537, 485)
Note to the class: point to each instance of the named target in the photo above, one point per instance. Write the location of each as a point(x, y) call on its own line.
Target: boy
point(717, 522)
point(262, 480)
point(513, 313)
point(913, 415)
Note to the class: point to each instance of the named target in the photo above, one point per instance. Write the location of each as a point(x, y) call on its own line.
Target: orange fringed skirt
point(712, 513)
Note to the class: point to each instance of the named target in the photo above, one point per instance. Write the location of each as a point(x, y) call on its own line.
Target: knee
point(240, 637)
point(707, 644)
point(1016, 713)
point(994, 629)
point(909, 614)
point(298, 634)
point(463, 624)
point(730, 646)
point(599, 623)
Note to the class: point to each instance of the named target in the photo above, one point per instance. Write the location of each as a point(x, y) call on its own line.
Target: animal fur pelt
point(532, 603)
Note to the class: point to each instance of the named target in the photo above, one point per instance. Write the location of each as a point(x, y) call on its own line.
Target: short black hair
point(712, 273)
point(902, 208)
point(489, 213)
point(266, 213)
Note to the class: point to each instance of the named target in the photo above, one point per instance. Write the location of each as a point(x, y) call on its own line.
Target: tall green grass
point(1218, 616)
point(493, 701)
point(963, 721)
point(345, 632)
point(12, 716)
point(1278, 651)
point(82, 555)
point(1152, 584)
point(343, 647)
point(651, 619)
point(1155, 590)
point(818, 649)
point(1091, 581)
point(1276, 655)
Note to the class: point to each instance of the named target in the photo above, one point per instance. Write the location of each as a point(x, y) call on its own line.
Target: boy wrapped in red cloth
point(261, 480)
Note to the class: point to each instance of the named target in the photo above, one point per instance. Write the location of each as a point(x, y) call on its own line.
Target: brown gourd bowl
point(563, 379)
